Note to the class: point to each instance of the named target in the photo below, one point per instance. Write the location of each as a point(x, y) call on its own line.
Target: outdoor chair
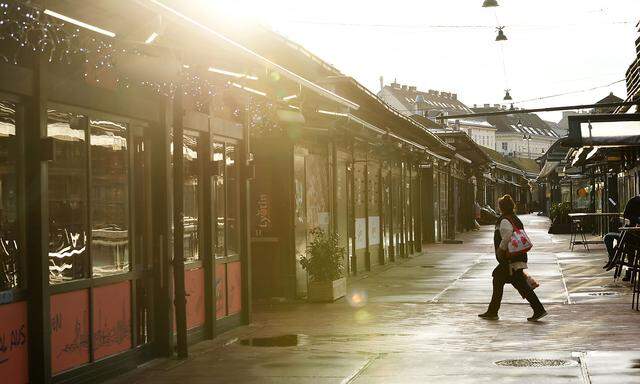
point(627, 256)
point(577, 228)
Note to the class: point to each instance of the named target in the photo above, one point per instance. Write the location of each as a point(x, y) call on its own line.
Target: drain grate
point(535, 363)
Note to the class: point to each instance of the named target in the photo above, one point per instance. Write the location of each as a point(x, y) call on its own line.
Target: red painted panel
point(234, 287)
point(69, 330)
point(111, 319)
point(14, 363)
point(194, 286)
point(221, 290)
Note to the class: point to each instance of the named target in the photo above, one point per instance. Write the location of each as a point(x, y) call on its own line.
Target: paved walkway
point(418, 324)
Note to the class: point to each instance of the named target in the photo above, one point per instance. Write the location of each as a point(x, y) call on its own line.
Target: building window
point(109, 197)
point(90, 169)
point(219, 197)
point(10, 243)
point(68, 257)
point(233, 200)
point(504, 146)
point(191, 199)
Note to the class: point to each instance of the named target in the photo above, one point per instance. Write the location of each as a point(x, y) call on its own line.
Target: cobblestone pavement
point(418, 324)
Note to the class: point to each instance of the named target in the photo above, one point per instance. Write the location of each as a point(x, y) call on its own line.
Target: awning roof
point(604, 130)
point(182, 18)
point(465, 146)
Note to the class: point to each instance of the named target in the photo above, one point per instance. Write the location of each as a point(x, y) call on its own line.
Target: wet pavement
point(415, 322)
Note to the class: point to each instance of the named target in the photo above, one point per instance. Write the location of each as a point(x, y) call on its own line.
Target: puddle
point(535, 363)
point(275, 341)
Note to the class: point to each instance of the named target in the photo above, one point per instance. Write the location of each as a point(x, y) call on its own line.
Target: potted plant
point(559, 216)
point(323, 263)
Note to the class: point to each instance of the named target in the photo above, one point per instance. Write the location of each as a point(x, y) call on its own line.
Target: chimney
point(475, 106)
point(381, 83)
point(404, 87)
point(454, 96)
point(487, 105)
point(496, 106)
point(445, 95)
point(412, 88)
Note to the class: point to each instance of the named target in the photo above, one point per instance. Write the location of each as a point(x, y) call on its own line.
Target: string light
point(30, 30)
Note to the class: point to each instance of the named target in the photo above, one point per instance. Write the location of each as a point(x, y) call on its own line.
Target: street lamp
point(527, 138)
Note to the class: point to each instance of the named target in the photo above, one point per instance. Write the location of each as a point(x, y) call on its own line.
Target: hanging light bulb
point(501, 36)
point(507, 96)
point(489, 3)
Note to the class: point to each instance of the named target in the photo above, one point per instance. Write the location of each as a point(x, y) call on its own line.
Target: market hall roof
point(278, 48)
point(183, 36)
point(502, 161)
point(376, 111)
point(466, 146)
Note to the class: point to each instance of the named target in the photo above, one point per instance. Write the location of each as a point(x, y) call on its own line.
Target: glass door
point(226, 227)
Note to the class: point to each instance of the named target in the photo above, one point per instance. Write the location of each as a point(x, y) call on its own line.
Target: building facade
point(523, 135)
point(431, 104)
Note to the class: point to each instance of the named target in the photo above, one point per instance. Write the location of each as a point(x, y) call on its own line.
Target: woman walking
point(510, 269)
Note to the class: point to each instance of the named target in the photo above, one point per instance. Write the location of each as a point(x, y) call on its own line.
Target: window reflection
point(67, 198)
point(219, 202)
point(233, 191)
point(190, 199)
point(109, 198)
point(10, 267)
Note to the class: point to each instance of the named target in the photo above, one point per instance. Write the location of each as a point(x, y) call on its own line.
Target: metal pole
point(180, 299)
point(549, 109)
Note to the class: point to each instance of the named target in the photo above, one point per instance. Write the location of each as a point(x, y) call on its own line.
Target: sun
point(264, 12)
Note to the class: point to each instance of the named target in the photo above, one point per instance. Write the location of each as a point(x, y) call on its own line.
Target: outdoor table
point(580, 216)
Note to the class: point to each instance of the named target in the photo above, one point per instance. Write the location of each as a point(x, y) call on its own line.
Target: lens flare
point(357, 298)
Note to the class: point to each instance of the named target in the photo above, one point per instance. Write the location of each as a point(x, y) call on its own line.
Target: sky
point(554, 46)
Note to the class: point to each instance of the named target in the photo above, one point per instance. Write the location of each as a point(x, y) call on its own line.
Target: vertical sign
point(69, 330)
point(111, 319)
point(361, 233)
point(374, 230)
point(14, 366)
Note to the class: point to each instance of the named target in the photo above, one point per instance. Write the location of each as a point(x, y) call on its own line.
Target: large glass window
point(67, 197)
point(233, 207)
point(10, 249)
point(191, 195)
point(218, 205)
point(109, 198)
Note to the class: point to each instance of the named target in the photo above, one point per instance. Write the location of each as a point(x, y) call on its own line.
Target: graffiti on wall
point(13, 343)
point(69, 330)
point(111, 319)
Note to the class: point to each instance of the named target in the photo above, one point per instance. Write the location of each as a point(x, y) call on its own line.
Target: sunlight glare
point(246, 11)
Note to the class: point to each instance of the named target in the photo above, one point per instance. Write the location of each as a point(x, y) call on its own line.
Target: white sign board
point(361, 233)
point(374, 230)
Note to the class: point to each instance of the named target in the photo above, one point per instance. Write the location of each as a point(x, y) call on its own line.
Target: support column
point(37, 220)
point(180, 299)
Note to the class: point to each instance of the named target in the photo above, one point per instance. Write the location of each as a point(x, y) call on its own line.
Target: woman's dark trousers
point(518, 280)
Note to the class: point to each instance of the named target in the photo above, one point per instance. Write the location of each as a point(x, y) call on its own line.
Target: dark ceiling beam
point(548, 109)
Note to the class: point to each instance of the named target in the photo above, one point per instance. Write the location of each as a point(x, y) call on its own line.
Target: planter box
point(327, 291)
point(560, 228)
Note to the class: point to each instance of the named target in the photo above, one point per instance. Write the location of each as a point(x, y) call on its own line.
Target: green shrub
point(560, 212)
point(324, 257)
